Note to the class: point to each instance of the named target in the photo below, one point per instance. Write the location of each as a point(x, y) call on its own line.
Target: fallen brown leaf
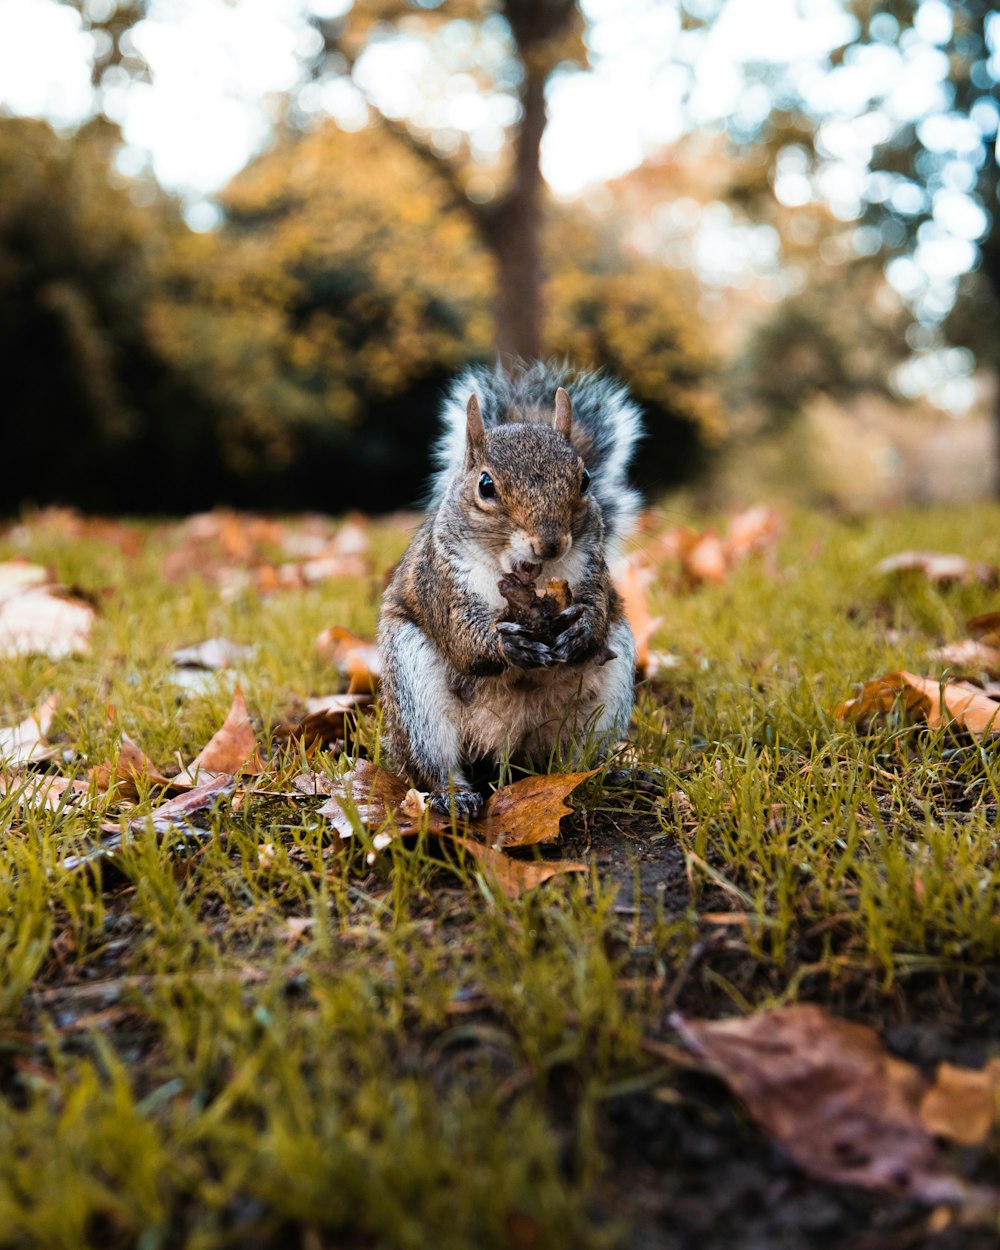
point(924, 698)
point(38, 622)
point(355, 657)
point(752, 530)
point(938, 567)
point(704, 558)
point(377, 795)
point(20, 744)
point(212, 654)
point(985, 627)
point(42, 789)
point(131, 768)
point(831, 1095)
point(326, 720)
point(632, 583)
point(174, 816)
point(175, 813)
point(232, 749)
point(962, 1103)
point(969, 654)
point(528, 812)
point(515, 877)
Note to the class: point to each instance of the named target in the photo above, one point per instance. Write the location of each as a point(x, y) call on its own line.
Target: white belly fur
point(524, 714)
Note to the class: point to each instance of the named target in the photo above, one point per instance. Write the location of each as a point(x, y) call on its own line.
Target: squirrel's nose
point(547, 544)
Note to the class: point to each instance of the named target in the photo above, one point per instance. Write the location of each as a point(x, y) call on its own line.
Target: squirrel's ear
point(564, 413)
point(475, 442)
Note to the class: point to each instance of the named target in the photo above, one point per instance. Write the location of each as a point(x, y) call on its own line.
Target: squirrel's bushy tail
point(606, 425)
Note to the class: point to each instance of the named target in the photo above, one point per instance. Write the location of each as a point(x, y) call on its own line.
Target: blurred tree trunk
point(510, 225)
point(990, 250)
point(511, 230)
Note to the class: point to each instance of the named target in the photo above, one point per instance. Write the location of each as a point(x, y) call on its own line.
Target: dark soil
point(687, 1167)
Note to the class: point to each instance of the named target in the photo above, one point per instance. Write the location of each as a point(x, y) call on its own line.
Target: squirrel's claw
point(574, 642)
point(568, 616)
point(522, 649)
point(466, 804)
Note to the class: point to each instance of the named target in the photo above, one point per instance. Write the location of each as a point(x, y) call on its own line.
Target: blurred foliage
point(84, 386)
point(297, 356)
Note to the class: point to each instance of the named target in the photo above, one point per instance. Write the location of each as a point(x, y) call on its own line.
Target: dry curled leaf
point(355, 657)
point(962, 1104)
point(39, 622)
point(25, 742)
point(232, 749)
point(985, 627)
point(924, 698)
point(34, 789)
point(938, 567)
point(328, 719)
point(529, 811)
point(752, 530)
point(174, 816)
point(131, 769)
point(211, 655)
point(632, 582)
point(375, 794)
point(515, 877)
point(831, 1095)
point(970, 654)
point(532, 815)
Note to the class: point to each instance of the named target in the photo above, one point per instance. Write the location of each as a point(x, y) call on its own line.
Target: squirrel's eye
point(584, 482)
point(486, 488)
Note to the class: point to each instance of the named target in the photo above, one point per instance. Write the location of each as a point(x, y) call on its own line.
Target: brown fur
point(455, 686)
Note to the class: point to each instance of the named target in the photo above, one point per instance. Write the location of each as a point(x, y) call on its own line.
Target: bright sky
point(220, 67)
point(217, 65)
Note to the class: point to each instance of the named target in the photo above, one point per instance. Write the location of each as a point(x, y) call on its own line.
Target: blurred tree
point(909, 165)
point(343, 285)
point(326, 302)
point(507, 50)
point(82, 385)
point(515, 45)
point(936, 178)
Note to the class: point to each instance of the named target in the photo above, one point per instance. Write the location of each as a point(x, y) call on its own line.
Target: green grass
point(415, 1060)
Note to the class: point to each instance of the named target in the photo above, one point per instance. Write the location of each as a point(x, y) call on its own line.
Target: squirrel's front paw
point(576, 640)
point(521, 648)
point(467, 804)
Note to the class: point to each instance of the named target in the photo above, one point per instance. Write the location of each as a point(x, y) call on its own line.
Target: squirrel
point(478, 665)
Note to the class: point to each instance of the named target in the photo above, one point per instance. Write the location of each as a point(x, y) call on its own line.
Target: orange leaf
point(130, 768)
point(529, 811)
point(515, 877)
point(631, 582)
point(705, 559)
point(232, 749)
point(530, 808)
point(962, 1103)
point(826, 1089)
point(751, 530)
point(356, 658)
point(927, 699)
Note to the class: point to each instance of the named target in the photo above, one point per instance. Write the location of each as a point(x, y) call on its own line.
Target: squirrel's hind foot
point(466, 804)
